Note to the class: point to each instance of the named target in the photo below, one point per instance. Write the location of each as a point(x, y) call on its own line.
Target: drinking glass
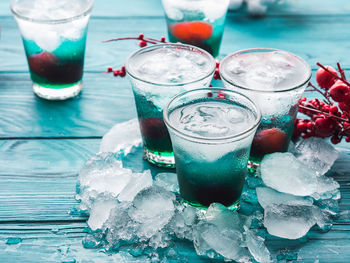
point(275, 80)
point(196, 22)
point(54, 38)
point(211, 131)
point(157, 73)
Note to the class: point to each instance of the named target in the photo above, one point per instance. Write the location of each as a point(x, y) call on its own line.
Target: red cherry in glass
point(42, 63)
point(324, 79)
point(339, 91)
point(153, 128)
point(195, 31)
point(269, 141)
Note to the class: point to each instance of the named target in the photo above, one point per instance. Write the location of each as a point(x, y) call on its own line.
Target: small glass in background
point(211, 131)
point(196, 22)
point(54, 39)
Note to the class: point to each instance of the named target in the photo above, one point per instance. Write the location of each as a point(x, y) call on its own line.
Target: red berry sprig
point(143, 42)
point(330, 117)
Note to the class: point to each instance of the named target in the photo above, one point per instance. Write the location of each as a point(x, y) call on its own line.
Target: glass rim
point(217, 140)
point(85, 12)
point(173, 45)
point(294, 87)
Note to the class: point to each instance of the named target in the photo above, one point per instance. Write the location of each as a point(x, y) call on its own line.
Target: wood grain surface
point(43, 144)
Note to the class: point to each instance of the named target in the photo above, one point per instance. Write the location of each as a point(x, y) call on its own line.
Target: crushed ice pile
point(144, 215)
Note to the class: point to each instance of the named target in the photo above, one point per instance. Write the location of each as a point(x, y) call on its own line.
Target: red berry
point(335, 139)
point(340, 91)
point(324, 79)
point(162, 39)
point(324, 127)
point(302, 126)
point(123, 69)
point(141, 36)
point(269, 141)
point(122, 73)
point(142, 43)
point(116, 73)
point(109, 69)
point(333, 109)
point(153, 128)
point(347, 139)
point(346, 130)
point(310, 125)
point(195, 31)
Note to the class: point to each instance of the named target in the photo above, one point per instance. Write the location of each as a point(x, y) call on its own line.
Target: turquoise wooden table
point(44, 144)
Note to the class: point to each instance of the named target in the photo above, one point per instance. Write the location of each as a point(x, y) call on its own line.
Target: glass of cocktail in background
point(157, 73)
point(275, 80)
point(54, 39)
point(211, 131)
point(196, 22)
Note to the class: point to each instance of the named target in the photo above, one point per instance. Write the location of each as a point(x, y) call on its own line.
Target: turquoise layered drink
point(54, 37)
point(158, 73)
point(275, 80)
point(196, 22)
point(211, 131)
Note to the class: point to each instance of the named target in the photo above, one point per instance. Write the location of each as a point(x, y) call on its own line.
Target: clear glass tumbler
point(196, 22)
point(157, 73)
point(211, 131)
point(275, 80)
point(54, 38)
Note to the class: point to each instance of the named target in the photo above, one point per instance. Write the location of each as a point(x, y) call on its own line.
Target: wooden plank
point(38, 178)
point(154, 8)
point(302, 35)
point(103, 102)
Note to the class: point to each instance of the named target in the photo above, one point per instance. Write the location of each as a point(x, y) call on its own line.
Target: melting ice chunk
point(222, 217)
point(122, 137)
point(268, 196)
point(317, 154)
point(167, 181)
point(103, 174)
point(290, 221)
point(138, 181)
point(207, 238)
point(152, 208)
point(100, 213)
point(257, 247)
point(284, 173)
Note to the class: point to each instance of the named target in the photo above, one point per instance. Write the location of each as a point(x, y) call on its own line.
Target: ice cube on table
point(138, 181)
point(327, 188)
point(168, 181)
point(316, 153)
point(284, 173)
point(218, 214)
point(152, 208)
point(290, 221)
point(100, 213)
point(122, 137)
point(209, 240)
point(121, 228)
point(103, 175)
point(256, 247)
point(268, 196)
